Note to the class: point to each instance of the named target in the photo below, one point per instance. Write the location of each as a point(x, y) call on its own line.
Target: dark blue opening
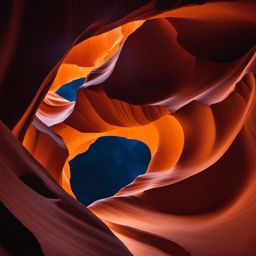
point(108, 165)
point(69, 90)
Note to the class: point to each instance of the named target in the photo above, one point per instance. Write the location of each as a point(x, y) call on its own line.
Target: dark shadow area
point(107, 166)
point(15, 238)
point(37, 185)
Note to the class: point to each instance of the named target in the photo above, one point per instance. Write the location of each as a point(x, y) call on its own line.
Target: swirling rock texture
point(176, 75)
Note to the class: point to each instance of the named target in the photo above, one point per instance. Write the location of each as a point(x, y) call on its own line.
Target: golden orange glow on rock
point(179, 77)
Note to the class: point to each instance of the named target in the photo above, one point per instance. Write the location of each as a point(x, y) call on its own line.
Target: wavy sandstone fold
point(51, 215)
point(179, 76)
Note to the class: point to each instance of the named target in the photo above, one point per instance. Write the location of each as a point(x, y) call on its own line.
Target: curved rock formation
point(179, 76)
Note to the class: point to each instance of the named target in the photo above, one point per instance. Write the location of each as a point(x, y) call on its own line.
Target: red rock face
point(178, 76)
